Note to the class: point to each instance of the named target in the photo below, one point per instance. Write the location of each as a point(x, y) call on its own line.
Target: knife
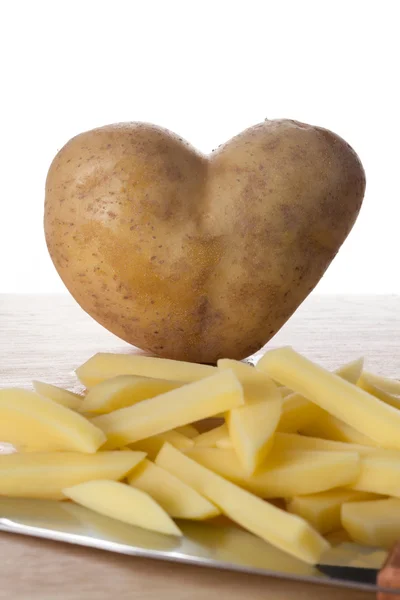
point(216, 544)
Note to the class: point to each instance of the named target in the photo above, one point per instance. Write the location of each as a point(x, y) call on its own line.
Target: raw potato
point(390, 386)
point(285, 531)
point(341, 399)
point(298, 412)
point(153, 445)
point(293, 441)
point(366, 383)
point(44, 475)
point(252, 426)
point(322, 510)
point(104, 366)
point(189, 431)
point(373, 523)
point(284, 442)
point(33, 423)
point(57, 394)
point(285, 474)
point(379, 473)
point(177, 498)
point(331, 428)
point(122, 391)
point(124, 503)
point(256, 386)
point(210, 439)
point(184, 405)
point(168, 248)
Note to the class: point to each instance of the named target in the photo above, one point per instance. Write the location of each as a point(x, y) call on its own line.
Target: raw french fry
point(177, 498)
point(57, 394)
point(285, 474)
point(104, 366)
point(374, 523)
point(124, 503)
point(347, 402)
point(322, 510)
point(386, 384)
point(285, 531)
point(189, 403)
point(252, 426)
point(122, 391)
point(256, 386)
point(284, 442)
point(379, 473)
point(224, 443)
point(45, 474)
point(34, 423)
point(209, 439)
point(298, 412)
point(153, 445)
point(366, 383)
point(285, 391)
point(329, 427)
point(189, 431)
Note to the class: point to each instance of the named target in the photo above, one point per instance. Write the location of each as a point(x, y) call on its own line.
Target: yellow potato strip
point(284, 474)
point(285, 531)
point(184, 405)
point(104, 366)
point(347, 402)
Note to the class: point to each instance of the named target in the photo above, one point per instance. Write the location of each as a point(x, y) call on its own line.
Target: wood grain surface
point(46, 337)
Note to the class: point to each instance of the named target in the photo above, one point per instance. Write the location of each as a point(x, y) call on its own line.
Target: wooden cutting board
point(46, 337)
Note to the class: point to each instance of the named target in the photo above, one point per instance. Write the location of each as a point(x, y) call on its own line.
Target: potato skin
point(194, 257)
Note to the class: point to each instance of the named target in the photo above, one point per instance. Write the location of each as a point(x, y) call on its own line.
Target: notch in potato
point(197, 257)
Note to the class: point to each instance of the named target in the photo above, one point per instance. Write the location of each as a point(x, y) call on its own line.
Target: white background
point(206, 69)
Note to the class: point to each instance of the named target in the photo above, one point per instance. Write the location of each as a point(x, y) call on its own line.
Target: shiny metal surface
point(215, 544)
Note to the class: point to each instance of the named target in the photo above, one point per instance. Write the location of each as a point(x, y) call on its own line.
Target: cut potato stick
point(177, 498)
point(391, 386)
point(285, 391)
point(124, 503)
point(225, 443)
point(366, 383)
point(347, 402)
point(182, 406)
point(374, 523)
point(45, 474)
point(284, 442)
point(322, 510)
point(124, 390)
point(331, 428)
point(104, 366)
point(251, 427)
point(379, 473)
point(285, 474)
point(34, 423)
point(209, 439)
point(285, 531)
point(257, 386)
point(189, 431)
point(298, 412)
point(57, 394)
point(153, 445)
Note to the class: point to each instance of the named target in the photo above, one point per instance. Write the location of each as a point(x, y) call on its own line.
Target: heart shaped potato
point(199, 257)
